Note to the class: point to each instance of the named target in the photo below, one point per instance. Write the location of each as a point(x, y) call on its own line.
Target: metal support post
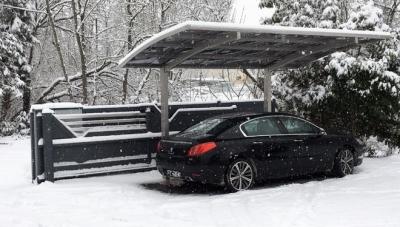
point(267, 91)
point(164, 74)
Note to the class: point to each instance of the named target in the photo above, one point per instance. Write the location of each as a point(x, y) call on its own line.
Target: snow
point(47, 110)
point(16, 25)
point(110, 128)
point(380, 149)
point(97, 115)
point(61, 105)
point(103, 170)
point(214, 102)
point(308, 10)
point(109, 138)
point(370, 197)
point(366, 16)
point(120, 106)
point(341, 62)
point(126, 158)
point(170, 103)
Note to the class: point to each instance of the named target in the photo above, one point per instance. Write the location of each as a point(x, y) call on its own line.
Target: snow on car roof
point(232, 46)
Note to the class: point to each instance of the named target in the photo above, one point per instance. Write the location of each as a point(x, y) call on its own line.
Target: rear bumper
point(191, 169)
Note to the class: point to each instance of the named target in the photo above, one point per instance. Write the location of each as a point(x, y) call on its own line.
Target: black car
point(240, 149)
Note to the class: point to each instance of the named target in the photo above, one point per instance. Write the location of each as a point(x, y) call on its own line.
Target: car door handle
point(257, 142)
point(298, 140)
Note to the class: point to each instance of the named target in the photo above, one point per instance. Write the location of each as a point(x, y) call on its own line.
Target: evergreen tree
point(357, 90)
point(304, 13)
point(15, 36)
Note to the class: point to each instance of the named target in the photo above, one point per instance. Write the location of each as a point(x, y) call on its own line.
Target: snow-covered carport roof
point(232, 46)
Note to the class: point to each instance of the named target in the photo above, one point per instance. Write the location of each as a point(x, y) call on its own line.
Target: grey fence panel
point(36, 150)
point(98, 140)
point(48, 130)
point(95, 157)
point(184, 116)
point(189, 114)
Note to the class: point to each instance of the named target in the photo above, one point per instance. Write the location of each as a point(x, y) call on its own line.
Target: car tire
point(344, 163)
point(239, 175)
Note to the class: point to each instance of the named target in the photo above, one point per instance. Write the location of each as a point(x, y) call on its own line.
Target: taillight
point(158, 146)
point(200, 149)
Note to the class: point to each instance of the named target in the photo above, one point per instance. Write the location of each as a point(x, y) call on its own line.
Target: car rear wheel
point(344, 163)
point(240, 176)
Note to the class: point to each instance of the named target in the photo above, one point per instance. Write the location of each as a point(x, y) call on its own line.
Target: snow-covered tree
point(15, 36)
point(390, 11)
point(304, 13)
point(15, 17)
point(356, 90)
point(366, 16)
point(110, 30)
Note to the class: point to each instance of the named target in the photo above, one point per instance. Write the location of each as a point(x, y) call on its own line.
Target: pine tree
point(356, 90)
point(366, 16)
point(304, 13)
point(15, 36)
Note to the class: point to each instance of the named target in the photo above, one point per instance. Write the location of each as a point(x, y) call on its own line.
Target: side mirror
point(322, 132)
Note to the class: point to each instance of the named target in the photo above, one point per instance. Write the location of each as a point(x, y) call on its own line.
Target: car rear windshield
point(210, 126)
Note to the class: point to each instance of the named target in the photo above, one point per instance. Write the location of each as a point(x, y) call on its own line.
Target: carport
point(209, 45)
point(69, 140)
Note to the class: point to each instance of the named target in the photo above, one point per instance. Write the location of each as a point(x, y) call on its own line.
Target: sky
point(248, 12)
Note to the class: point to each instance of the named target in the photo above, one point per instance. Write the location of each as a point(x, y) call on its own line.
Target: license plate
point(173, 173)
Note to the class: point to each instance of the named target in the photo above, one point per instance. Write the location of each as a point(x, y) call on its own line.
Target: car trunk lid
point(175, 147)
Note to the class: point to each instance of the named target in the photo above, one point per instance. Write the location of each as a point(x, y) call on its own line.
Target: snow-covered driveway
point(370, 197)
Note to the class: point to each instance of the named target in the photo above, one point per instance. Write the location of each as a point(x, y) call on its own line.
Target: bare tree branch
point(58, 48)
point(43, 97)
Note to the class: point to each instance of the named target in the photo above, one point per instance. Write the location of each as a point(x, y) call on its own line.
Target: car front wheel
point(240, 176)
point(344, 163)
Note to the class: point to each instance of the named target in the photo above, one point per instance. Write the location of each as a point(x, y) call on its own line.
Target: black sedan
point(240, 149)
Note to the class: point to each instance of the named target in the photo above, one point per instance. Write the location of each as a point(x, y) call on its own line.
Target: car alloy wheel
point(345, 163)
point(240, 176)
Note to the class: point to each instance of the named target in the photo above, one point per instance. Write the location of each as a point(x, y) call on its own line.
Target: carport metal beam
point(228, 46)
point(208, 44)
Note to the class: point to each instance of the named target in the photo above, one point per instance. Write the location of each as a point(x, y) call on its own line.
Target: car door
point(307, 144)
point(263, 134)
point(320, 149)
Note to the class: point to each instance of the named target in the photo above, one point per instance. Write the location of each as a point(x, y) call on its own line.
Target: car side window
point(298, 126)
point(261, 127)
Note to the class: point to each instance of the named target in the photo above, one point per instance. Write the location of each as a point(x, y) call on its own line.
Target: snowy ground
point(370, 197)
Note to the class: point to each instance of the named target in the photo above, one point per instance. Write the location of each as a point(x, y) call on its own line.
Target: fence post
point(48, 146)
point(39, 156)
point(153, 119)
point(33, 144)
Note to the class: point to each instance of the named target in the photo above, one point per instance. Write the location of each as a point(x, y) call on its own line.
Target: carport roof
point(233, 46)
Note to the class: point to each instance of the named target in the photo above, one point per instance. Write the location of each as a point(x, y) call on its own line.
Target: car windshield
point(204, 127)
